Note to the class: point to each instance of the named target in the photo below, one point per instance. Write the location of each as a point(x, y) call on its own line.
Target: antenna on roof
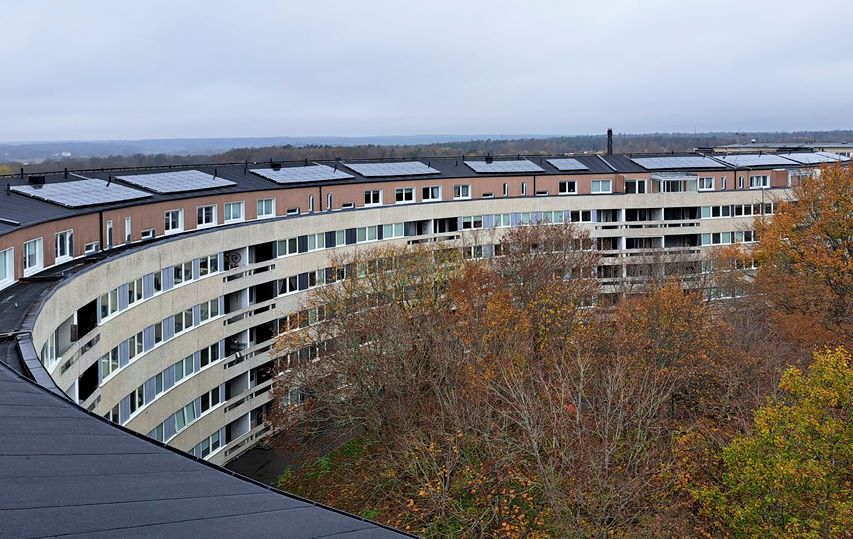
point(66, 172)
point(429, 163)
point(215, 172)
point(245, 167)
point(109, 180)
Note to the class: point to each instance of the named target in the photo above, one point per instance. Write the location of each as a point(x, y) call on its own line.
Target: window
point(722, 183)
point(316, 241)
point(506, 190)
point(210, 399)
point(184, 417)
point(173, 221)
point(208, 309)
point(404, 195)
point(266, 208)
point(64, 246)
point(128, 230)
point(292, 211)
point(392, 231)
point(158, 281)
point(209, 355)
point(431, 193)
point(232, 212)
point(183, 272)
point(541, 193)
point(706, 184)
point(134, 291)
point(148, 234)
point(206, 216)
point(109, 234)
point(329, 201)
point(524, 189)
point(473, 222)
point(461, 191)
point(208, 265)
point(567, 188)
point(488, 195)
point(502, 220)
point(310, 203)
point(137, 399)
point(364, 234)
point(635, 186)
point(33, 256)
point(373, 197)
point(90, 248)
point(134, 345)
point(601, 186)
point(287, 247)
point(740, 182)
point(759, 182)
point(7, 266)
point(109, 363)
point(347, 205)
point(158, 333)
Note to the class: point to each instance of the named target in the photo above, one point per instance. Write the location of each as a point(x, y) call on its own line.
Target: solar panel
point(522, 165)
point(568, 164)
point(813, 158)
point(311, 173)
point(755, 160)
point(176, 182)
point(406, 168)
point(677, 161)
point(79, 193)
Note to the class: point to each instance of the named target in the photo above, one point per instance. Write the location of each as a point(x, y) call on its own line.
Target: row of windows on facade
point(188, 414)
point(154, 335)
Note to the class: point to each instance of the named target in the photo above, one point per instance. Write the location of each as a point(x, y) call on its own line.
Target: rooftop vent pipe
point(609, 142)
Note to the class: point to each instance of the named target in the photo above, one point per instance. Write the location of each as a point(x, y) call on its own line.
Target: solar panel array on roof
point(568, 164)
point(677, 161)
point(522, 165)
point(755, 160)
point(405, 168)
point(310, 173)
point(813, 158)
point(79, 193)
point(177, 181)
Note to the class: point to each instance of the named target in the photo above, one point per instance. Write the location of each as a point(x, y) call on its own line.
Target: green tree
point(792, 476)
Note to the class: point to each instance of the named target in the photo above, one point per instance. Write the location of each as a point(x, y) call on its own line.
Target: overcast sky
point(149, 69)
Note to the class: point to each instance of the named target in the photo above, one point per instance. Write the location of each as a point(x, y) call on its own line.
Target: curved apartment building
point(151, 297)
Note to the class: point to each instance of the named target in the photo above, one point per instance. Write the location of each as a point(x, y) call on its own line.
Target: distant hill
point(47, 156)
point(49, 150)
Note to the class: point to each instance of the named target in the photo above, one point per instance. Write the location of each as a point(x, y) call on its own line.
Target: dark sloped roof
point(65, 471)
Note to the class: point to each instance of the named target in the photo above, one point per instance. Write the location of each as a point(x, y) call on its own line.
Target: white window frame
point(638, 182)
point(38, 253)
point(703, 183)
point(169, 218)
point(375, 196)
point(408, 195)
point(63, 241)
point(109, 235)
point(462, 192)
point(200, 214)
point(601, 191)
point(310, 203)
point(148, 234)
point(227, 209)
point(7, 259)
point(722, 183)
point(429, 191)
point(90, 248)
point(524, 189)
point(128, 230)
point(261, 204)
point(561, 191)
point(765, 181)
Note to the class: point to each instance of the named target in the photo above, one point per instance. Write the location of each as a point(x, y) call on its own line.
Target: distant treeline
point(623, 143)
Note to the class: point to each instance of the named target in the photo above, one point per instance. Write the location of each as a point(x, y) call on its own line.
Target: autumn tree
point(793, 476)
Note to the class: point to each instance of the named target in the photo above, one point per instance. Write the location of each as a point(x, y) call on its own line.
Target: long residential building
point(151, 297)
